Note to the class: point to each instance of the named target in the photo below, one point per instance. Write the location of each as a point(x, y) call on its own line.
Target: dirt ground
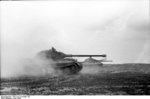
point(121, 80)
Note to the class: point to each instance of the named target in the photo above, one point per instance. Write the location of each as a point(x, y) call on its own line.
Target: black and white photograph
point(75, 47)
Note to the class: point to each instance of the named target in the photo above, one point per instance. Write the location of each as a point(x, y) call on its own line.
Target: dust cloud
point(37, 67)
point(116, 68)
point(20, 66)
point(90, 69)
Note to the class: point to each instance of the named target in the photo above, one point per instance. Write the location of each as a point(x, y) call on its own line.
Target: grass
point(102, 83)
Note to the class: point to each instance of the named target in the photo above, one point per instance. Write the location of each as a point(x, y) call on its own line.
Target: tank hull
point(68, 68)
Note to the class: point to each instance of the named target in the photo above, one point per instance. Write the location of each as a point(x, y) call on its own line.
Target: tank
point(64, 63)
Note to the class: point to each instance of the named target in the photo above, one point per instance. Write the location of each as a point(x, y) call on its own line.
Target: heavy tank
point(64, 63)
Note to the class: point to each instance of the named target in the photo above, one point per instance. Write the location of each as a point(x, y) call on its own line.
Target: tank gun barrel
point(70, 55)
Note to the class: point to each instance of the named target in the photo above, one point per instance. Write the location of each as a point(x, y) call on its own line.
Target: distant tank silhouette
point(64, 63)
point(91, 61)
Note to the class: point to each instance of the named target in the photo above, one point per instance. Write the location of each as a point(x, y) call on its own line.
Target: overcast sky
point(118, 28)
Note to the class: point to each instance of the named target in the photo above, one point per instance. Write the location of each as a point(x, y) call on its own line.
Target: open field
point(126, 79)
